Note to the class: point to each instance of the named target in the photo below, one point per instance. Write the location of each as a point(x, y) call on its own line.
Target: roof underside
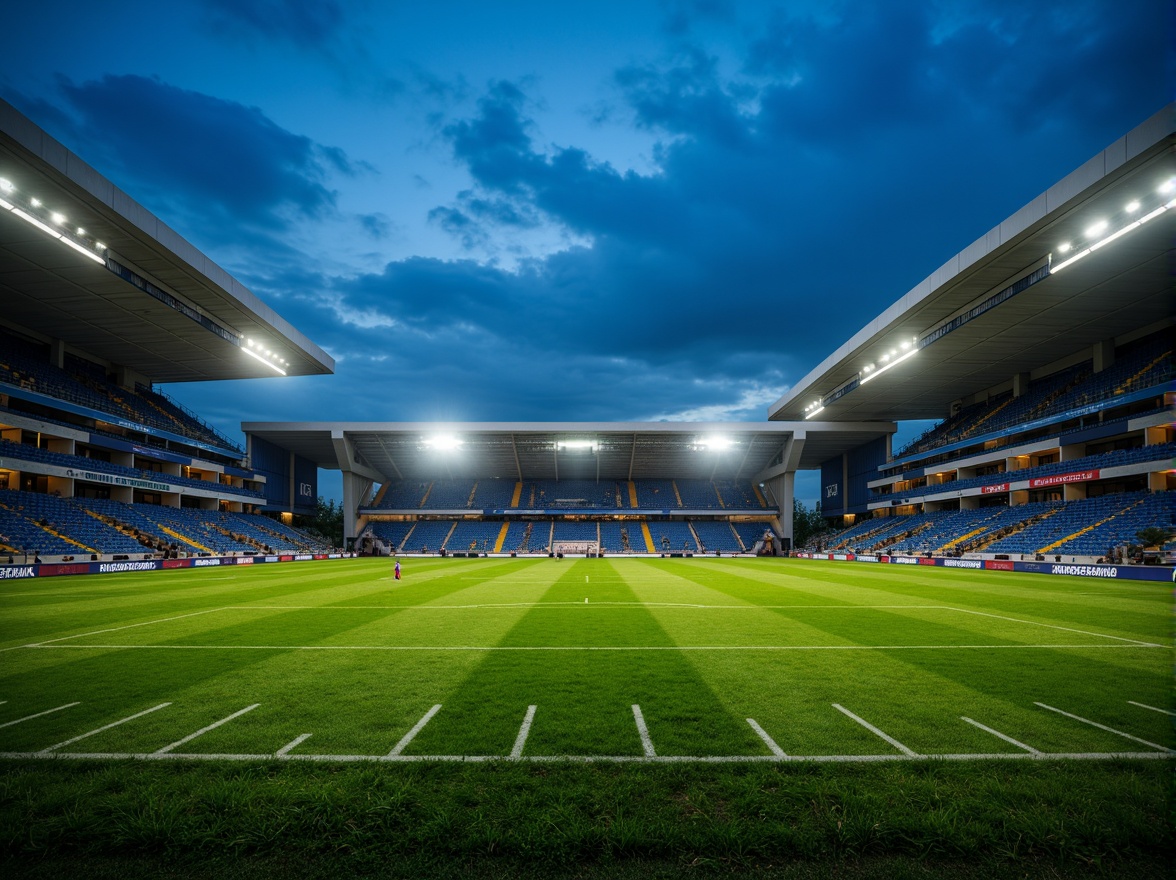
point(48, 288)
point(1113, 293)
point(530, 451)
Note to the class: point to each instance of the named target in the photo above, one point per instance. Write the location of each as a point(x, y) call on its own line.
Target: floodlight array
point(1100, 233)
point(52, 223)
point(271, 359)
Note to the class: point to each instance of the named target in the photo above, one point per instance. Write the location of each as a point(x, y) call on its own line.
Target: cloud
point(308, 24)
point(227, 171)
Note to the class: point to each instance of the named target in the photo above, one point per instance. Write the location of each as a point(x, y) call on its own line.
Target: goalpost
point(575, 548)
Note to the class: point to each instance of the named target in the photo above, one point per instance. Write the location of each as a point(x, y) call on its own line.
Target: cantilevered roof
point(54, 289)
point(1113, 292)
point(564, 450)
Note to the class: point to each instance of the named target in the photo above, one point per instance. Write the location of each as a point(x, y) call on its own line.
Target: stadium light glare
point(577, 445)
point(268, 363)
point(57, 218)
point(819, 409)
point(80, 231)
point(6, 205)
point(36, 203)
point(1132, 206)
point(6, 185)
point(1064, 247)
point(33, 220)
point(1168, 185)
point(443, 442)
point(892, 362)
point(1096, 229)
point(714, 443)
point(85, 252)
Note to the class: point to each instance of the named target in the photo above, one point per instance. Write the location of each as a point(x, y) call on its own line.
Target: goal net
point(576, 548)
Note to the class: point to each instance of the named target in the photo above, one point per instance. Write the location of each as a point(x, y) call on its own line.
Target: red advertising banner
point(999, 565)
point(1061, 479)
point(999, 487)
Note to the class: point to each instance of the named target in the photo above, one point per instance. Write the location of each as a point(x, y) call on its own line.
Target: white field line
point(408, 737)
point(1153, 708)
point(1108, 729)
point(594, 605)
point(870, 727)
point(643, 731)
point(1047, 647)
point(768, 741)
point(107, 727)
point(521, 739)
point(204, 730)
point(99, 632)
point(597, 759)
point(39, 714)
point(297, 741)
point(1083, 632)
point(1005, 737)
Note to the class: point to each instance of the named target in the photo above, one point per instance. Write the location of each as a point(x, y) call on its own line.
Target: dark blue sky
point(617, 211)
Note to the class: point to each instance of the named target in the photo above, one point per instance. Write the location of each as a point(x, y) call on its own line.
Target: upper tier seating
point(25, 452)
point(82, 382)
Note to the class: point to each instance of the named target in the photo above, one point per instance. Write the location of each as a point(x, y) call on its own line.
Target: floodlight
point(269, 364)
point(86, 252)
point(1132, 206)
point(444, 442)
point(1064, 247)
point(714, 444)
point(590, 445)
point(1096, 229)
point(819, 409)
point(1168, 185)
point(6, 184)
point(36, 203)
point(57, 218)
point(81, 231)
point(874, 374)
point(31, 219)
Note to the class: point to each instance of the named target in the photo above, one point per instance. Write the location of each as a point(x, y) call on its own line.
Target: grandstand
point(1045, 353)
point(95, 462)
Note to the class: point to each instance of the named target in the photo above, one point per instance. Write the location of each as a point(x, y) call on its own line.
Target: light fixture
point(713, 443)
point(892, 362)
point(1064, 247)
point(590, 445)
point(1099, 227)
point(819, 409)
point(1132, 206)
point(36, 203)
point(1096, 229)
point(265, 361)
point(80, 231)
point(6, 185)
point(1168, 185)
point(57, 218)
point(444, 442)
point(85, 252)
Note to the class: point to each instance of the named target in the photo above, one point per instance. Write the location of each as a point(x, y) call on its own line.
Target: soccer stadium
point(607, 648)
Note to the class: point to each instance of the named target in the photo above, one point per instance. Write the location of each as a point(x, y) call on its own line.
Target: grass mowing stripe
point(106, 727)
point(870, 727)
point(205, 730)
point(416, 728)
point(1104, 727)
point(1003, 736)
point(643, 732)
point(1153, 708)
point(763, 734)
point(521, 739)
point(39, 714)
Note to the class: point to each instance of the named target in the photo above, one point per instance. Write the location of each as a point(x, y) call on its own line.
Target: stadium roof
point(187, 323)
point(564, 450)
point(984, 316)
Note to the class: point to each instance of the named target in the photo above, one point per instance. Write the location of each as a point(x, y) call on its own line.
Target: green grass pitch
point(611, 667)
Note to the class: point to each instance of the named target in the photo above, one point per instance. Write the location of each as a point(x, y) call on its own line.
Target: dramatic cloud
point(227, 161)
